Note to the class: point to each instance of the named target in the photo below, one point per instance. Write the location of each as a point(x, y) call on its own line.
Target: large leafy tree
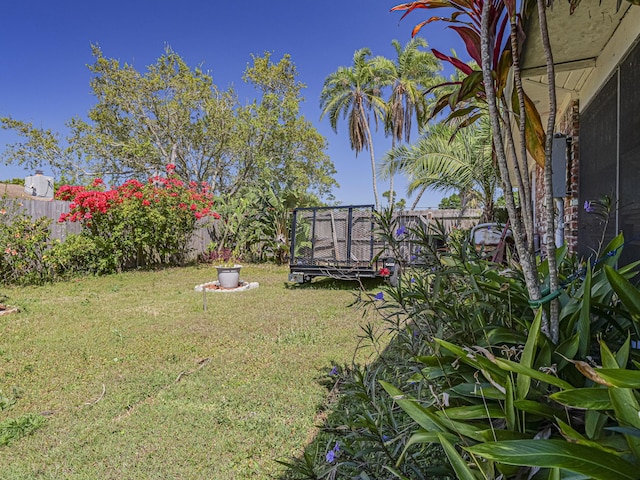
point(448, 159)
point(355, 93)
point(173, 114)
point(409, 76)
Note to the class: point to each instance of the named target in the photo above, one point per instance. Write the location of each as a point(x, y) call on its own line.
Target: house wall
point(569, 125)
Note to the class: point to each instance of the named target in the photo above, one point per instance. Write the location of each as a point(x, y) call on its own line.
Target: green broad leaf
point(634, 432)
point(463, 472)
point(523, 382)
point(566, 349)
point(629, 295)
point(537, 408)
point(477, 360)
point(612, 251)
point(472, 412)
point(620, 377)
point(584, 319)
point(509, 406)
point(574, 436)
point(622, 355)
point(582, 459)
point(494, 435)
point(424, 436)
point(535, 374)
point(498, 335)
point(462, 428)
point(584, 398)
point(594, 421)
point(608, 358)
point(478, 390)
point(417, 412)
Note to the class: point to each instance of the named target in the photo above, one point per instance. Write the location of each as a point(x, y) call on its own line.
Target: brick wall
point(568, 124)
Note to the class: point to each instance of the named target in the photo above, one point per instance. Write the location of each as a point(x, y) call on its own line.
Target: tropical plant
point(490, 33)
point(355, 93)
point(446, 158)
point(470, 373)
point(409, 76)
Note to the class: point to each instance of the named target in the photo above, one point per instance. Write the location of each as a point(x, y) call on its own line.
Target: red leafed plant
point(140, 223)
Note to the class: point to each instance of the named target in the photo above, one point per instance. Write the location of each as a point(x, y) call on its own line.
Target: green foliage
point(452, 201)
point(469, 372)
point(12, 429)
point(139, 225)
point(256, 225)
point(24, 246)
point(174, 114)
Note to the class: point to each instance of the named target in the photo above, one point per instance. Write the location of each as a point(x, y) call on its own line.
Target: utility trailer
point(340, 242)
point(336, 242)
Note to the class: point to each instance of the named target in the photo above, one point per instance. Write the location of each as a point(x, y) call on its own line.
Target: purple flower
point(413, 280)
point(331, 456)
point(334, 371)
point(401, 231)
point(587, 207)
point(385, 438)
point(379, 296)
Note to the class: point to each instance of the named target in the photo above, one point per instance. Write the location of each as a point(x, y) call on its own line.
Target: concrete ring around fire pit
point(215, 287)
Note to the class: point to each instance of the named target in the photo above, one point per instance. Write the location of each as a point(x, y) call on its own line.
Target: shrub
point(24, 247)
point(469, 374)
point(139, 224)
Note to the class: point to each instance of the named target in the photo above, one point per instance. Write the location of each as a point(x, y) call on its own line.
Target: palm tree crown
point(445, 159)
point(354, 93)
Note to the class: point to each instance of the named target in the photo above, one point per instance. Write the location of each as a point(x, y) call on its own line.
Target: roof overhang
point(587, 45)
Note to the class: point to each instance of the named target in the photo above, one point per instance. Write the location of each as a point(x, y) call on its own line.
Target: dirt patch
point(6, 309)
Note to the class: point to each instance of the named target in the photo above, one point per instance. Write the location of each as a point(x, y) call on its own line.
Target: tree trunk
point(553, 332)
point(525, 191)
point(373, 159)
point(527, 259)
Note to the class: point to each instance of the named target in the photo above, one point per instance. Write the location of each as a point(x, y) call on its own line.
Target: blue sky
point(46, 47)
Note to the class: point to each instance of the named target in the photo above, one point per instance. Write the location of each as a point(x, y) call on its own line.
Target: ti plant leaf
point(582, 459)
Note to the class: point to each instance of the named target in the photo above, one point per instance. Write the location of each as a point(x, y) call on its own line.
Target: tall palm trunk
point(391, 202)
point(373, 159)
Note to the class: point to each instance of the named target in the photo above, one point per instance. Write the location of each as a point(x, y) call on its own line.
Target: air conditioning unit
point(39, 185)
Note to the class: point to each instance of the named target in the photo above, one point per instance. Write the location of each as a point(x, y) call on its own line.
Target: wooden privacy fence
point(52, 210)
point(204, 233)
point(59, 231)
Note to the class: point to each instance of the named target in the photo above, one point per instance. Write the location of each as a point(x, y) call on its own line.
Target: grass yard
point(137, 381)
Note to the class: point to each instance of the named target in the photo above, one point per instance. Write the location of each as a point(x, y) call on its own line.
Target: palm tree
point(447, 159)
point(411, 74)
point(354, 93)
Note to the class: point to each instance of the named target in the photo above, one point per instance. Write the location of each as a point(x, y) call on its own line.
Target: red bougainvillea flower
point(385, 272)
point(146, 202)
point(170, 167)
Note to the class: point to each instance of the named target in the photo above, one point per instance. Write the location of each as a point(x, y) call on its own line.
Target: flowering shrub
point(24, 257)
point(139, 224)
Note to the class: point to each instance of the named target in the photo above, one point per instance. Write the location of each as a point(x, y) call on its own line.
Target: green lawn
point(139, 382)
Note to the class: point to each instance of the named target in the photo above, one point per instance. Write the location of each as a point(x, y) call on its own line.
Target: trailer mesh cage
point(333, 241)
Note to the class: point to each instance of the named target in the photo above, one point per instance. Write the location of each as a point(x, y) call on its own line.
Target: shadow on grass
point(327, 283)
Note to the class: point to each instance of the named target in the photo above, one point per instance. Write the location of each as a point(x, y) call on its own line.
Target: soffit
point(578, 37)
